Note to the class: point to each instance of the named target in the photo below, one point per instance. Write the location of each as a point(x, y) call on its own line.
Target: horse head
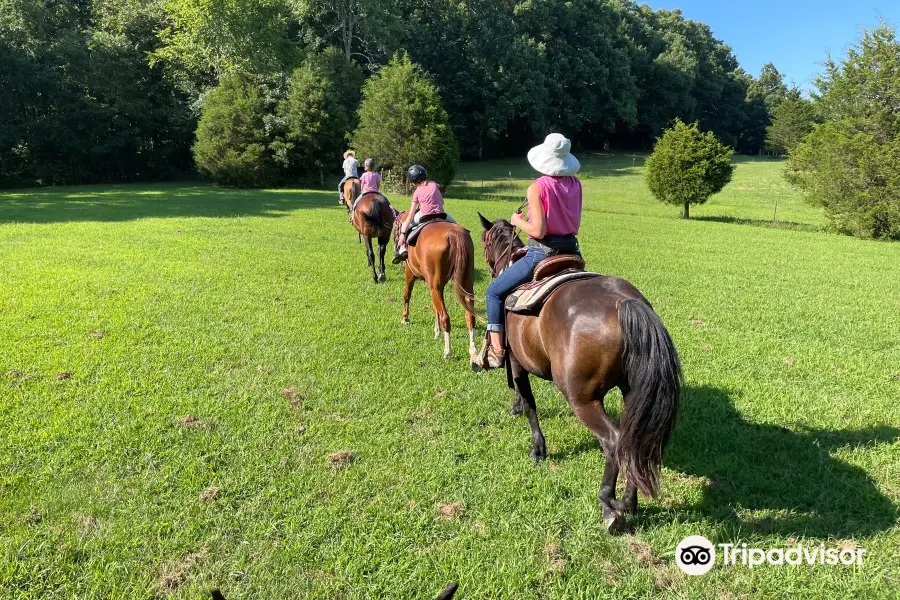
point(500, 243)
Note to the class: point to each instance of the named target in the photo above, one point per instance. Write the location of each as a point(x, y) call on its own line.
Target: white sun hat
point(553, 156)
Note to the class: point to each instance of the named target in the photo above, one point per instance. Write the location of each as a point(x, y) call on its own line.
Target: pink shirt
point(370, 181)
point(429, 198)
point(561, 199)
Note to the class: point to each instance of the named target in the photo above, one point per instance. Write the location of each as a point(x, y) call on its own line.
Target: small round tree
point(687, 166)
point(232, 144)
point(402, 122)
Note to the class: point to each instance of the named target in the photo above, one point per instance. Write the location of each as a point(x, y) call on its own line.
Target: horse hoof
point(404, 321)
point(538, 455)
point(516, 411)
point(475, 367)
point(615, 523)
point(382, 278)
point(448, 355)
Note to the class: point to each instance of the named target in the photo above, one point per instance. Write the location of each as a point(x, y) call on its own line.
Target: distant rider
point(351, 169)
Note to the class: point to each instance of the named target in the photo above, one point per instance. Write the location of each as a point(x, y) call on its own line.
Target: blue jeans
point(520, 272)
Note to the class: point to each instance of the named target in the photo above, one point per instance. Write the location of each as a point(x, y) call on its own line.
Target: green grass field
point(178, 362)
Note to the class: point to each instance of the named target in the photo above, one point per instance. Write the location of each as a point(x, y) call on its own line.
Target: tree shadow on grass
point(791, 225)
point(131, 202)
point(790, 474)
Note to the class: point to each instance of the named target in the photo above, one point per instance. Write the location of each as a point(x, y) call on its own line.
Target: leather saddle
point(549, 275)
point(423, 221)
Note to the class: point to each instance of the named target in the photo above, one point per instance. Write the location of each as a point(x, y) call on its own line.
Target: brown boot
point(489, 358)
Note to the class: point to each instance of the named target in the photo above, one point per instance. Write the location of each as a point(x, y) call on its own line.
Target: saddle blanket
point(530, 298)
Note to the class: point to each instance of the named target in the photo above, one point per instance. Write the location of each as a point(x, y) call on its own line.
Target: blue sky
point(795, 35)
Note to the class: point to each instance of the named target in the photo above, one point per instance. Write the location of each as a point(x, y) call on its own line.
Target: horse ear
point(485, 223)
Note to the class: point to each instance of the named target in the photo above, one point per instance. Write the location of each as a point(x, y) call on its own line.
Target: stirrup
point(399, 258)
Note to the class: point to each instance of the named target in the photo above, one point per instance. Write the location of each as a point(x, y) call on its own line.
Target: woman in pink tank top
point(554, 217)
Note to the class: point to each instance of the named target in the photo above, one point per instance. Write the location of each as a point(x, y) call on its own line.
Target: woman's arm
point(535, 226)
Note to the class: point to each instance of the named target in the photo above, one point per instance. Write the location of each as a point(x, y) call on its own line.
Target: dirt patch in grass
point(451, 510)
point(293, 396)
point(192, 422)
point(210, 494)
point(174, 573)
point(340, 460)
point(556, 559)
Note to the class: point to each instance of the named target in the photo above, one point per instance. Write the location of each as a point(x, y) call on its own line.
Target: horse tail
point(653, 372)
point(462, 266)
point(374, 214)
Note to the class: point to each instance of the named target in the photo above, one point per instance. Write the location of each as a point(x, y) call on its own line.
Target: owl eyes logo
point(695, 555)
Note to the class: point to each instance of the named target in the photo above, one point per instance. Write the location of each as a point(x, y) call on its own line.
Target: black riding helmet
point(416, 174)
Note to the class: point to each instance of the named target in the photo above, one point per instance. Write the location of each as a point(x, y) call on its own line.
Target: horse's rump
point(375, 210)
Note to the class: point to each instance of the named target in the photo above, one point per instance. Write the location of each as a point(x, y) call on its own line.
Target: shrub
point(687, 166)
point(232, 146)
point(402, 122)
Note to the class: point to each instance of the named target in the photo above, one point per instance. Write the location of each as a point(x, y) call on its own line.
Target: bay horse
point(444, 252)
point(593, 335)
point(374, 217)
point(350, 192)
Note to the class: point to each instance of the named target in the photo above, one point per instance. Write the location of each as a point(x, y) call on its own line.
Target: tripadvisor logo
point(696, 555)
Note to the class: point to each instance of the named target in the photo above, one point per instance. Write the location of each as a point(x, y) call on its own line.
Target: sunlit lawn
point(177, 363)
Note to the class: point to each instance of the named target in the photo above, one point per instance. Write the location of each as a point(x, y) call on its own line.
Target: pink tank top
point(561, 199)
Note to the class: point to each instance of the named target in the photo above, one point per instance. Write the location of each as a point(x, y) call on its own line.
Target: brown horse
point(443, 253)
point(374, 217)
point(593, 335)
point(350, 192)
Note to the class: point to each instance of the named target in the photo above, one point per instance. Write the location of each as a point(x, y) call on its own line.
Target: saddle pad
point(531, 296)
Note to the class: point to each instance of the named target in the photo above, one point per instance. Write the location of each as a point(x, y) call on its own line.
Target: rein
point(495, 265)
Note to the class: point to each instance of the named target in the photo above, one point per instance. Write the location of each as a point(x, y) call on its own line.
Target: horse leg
point(407, 294)
point(440, 313)
point(370, 254)
point(525, 402)
point(590, 411)
point(382, 246)
point(437, 326)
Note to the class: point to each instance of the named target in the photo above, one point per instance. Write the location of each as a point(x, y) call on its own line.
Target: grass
point(180, 367)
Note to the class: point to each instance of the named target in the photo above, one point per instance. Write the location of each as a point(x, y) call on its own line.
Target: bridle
point(498, 266)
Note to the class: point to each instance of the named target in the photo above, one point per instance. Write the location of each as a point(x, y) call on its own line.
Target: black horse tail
point(462, 266)
point(653, 373)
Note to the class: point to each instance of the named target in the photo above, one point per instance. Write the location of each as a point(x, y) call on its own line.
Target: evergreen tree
point(687, 166)
point(849, 164)
point(402, 122)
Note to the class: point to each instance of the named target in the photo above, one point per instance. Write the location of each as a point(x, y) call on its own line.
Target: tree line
point(113, 90)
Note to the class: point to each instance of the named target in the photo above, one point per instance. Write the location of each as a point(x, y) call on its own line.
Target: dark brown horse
point(593, 335)
point(443, 253)
point(374, 217)
point(350, 192)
